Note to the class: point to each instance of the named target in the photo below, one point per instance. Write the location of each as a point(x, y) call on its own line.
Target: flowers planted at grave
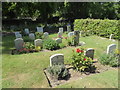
point(82, 63)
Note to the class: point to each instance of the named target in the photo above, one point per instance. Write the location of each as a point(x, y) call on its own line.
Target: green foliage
point(50, 44)
point(38, 35)
point(99, 27)
point(82, 63)
point(58, 71)
point(62, 45)
point(27, 39)
point(110, 59)
point(29, 46)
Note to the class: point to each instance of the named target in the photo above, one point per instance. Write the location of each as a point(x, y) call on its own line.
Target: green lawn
point(26, 70)
point(108, 79)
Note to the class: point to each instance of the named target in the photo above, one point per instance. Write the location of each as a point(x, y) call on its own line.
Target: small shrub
point(82, 63)
point(50, 44)
point(62, 45)
point(58, 71)
point(39, 35)
point(69, 40)
point(29, 46)
point(110, 59)
point(27, 39)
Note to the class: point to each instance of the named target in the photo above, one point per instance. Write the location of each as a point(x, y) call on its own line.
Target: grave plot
point(83, 65)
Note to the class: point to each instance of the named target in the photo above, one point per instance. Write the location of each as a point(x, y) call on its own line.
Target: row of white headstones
point(38, 42)
point(57, 59)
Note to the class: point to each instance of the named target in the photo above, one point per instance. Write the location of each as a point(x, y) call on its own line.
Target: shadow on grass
point(7, 44)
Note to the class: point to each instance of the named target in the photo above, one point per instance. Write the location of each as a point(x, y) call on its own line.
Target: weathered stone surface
point(58, 40)
point(90, 53)
point(32, 36)
point(19, 43)
point(56, 59)
point(38, 42)
point(111, 48)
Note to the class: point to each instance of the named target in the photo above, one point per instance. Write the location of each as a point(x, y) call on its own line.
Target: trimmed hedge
point(98, 27)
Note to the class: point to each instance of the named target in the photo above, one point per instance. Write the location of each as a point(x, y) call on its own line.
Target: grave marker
point(40, 29)
point(61, 30)
point(19, 43)
point(56, 59)
point(111, 48)
point(58, 40)
point(46, 35)
point(90, 53)
point(26, 31)
point(38, 42)
point(76, 38)
point(18, 36)
point(68, 28)
point(32, 36)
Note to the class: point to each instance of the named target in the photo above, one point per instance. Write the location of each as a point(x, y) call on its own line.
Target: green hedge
point(98, 27)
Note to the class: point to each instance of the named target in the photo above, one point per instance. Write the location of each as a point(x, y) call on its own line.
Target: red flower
point(82, 51)
point(84, 59)
point(78, 50)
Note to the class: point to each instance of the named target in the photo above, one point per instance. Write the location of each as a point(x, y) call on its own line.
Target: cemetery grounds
point(26, 70)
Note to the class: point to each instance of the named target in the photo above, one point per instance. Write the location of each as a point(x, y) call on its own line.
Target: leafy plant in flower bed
point(82, 63)
point(69, 40)
point(27, 48)
point(39, 35)
point(50, 44)
point(110, 59)
point(58, 71)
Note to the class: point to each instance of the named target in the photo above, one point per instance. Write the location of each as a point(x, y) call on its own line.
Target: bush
point(58, 71)
point(29, 46)
point(39, 35)
point(110, 59)
point(27, 39)
point(62, 45)
point(50, 44)
point(98, 27)
point(82, 63)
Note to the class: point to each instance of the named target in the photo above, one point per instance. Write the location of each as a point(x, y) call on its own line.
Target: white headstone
point(16, 33)
point(111, 36)
point(19, 43)
point(26, 31)
point(61, 29)
point(40, 29)
point(46, 35)
point(60, 34)
point(111, 48)
point(68, 28)
point(90, 53)
point(18, 36)
point(70, 34)
point(38, 42)
point(56, 59)
point(32, 36)
point(58, 40)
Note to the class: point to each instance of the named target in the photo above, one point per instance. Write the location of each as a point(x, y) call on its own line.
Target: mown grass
point(26, 70)
point(108, 79)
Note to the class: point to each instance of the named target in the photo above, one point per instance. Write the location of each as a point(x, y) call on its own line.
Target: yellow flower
point(38, 48)
point(117, 51)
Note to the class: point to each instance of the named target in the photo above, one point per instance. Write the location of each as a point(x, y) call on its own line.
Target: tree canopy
point(67, 10)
